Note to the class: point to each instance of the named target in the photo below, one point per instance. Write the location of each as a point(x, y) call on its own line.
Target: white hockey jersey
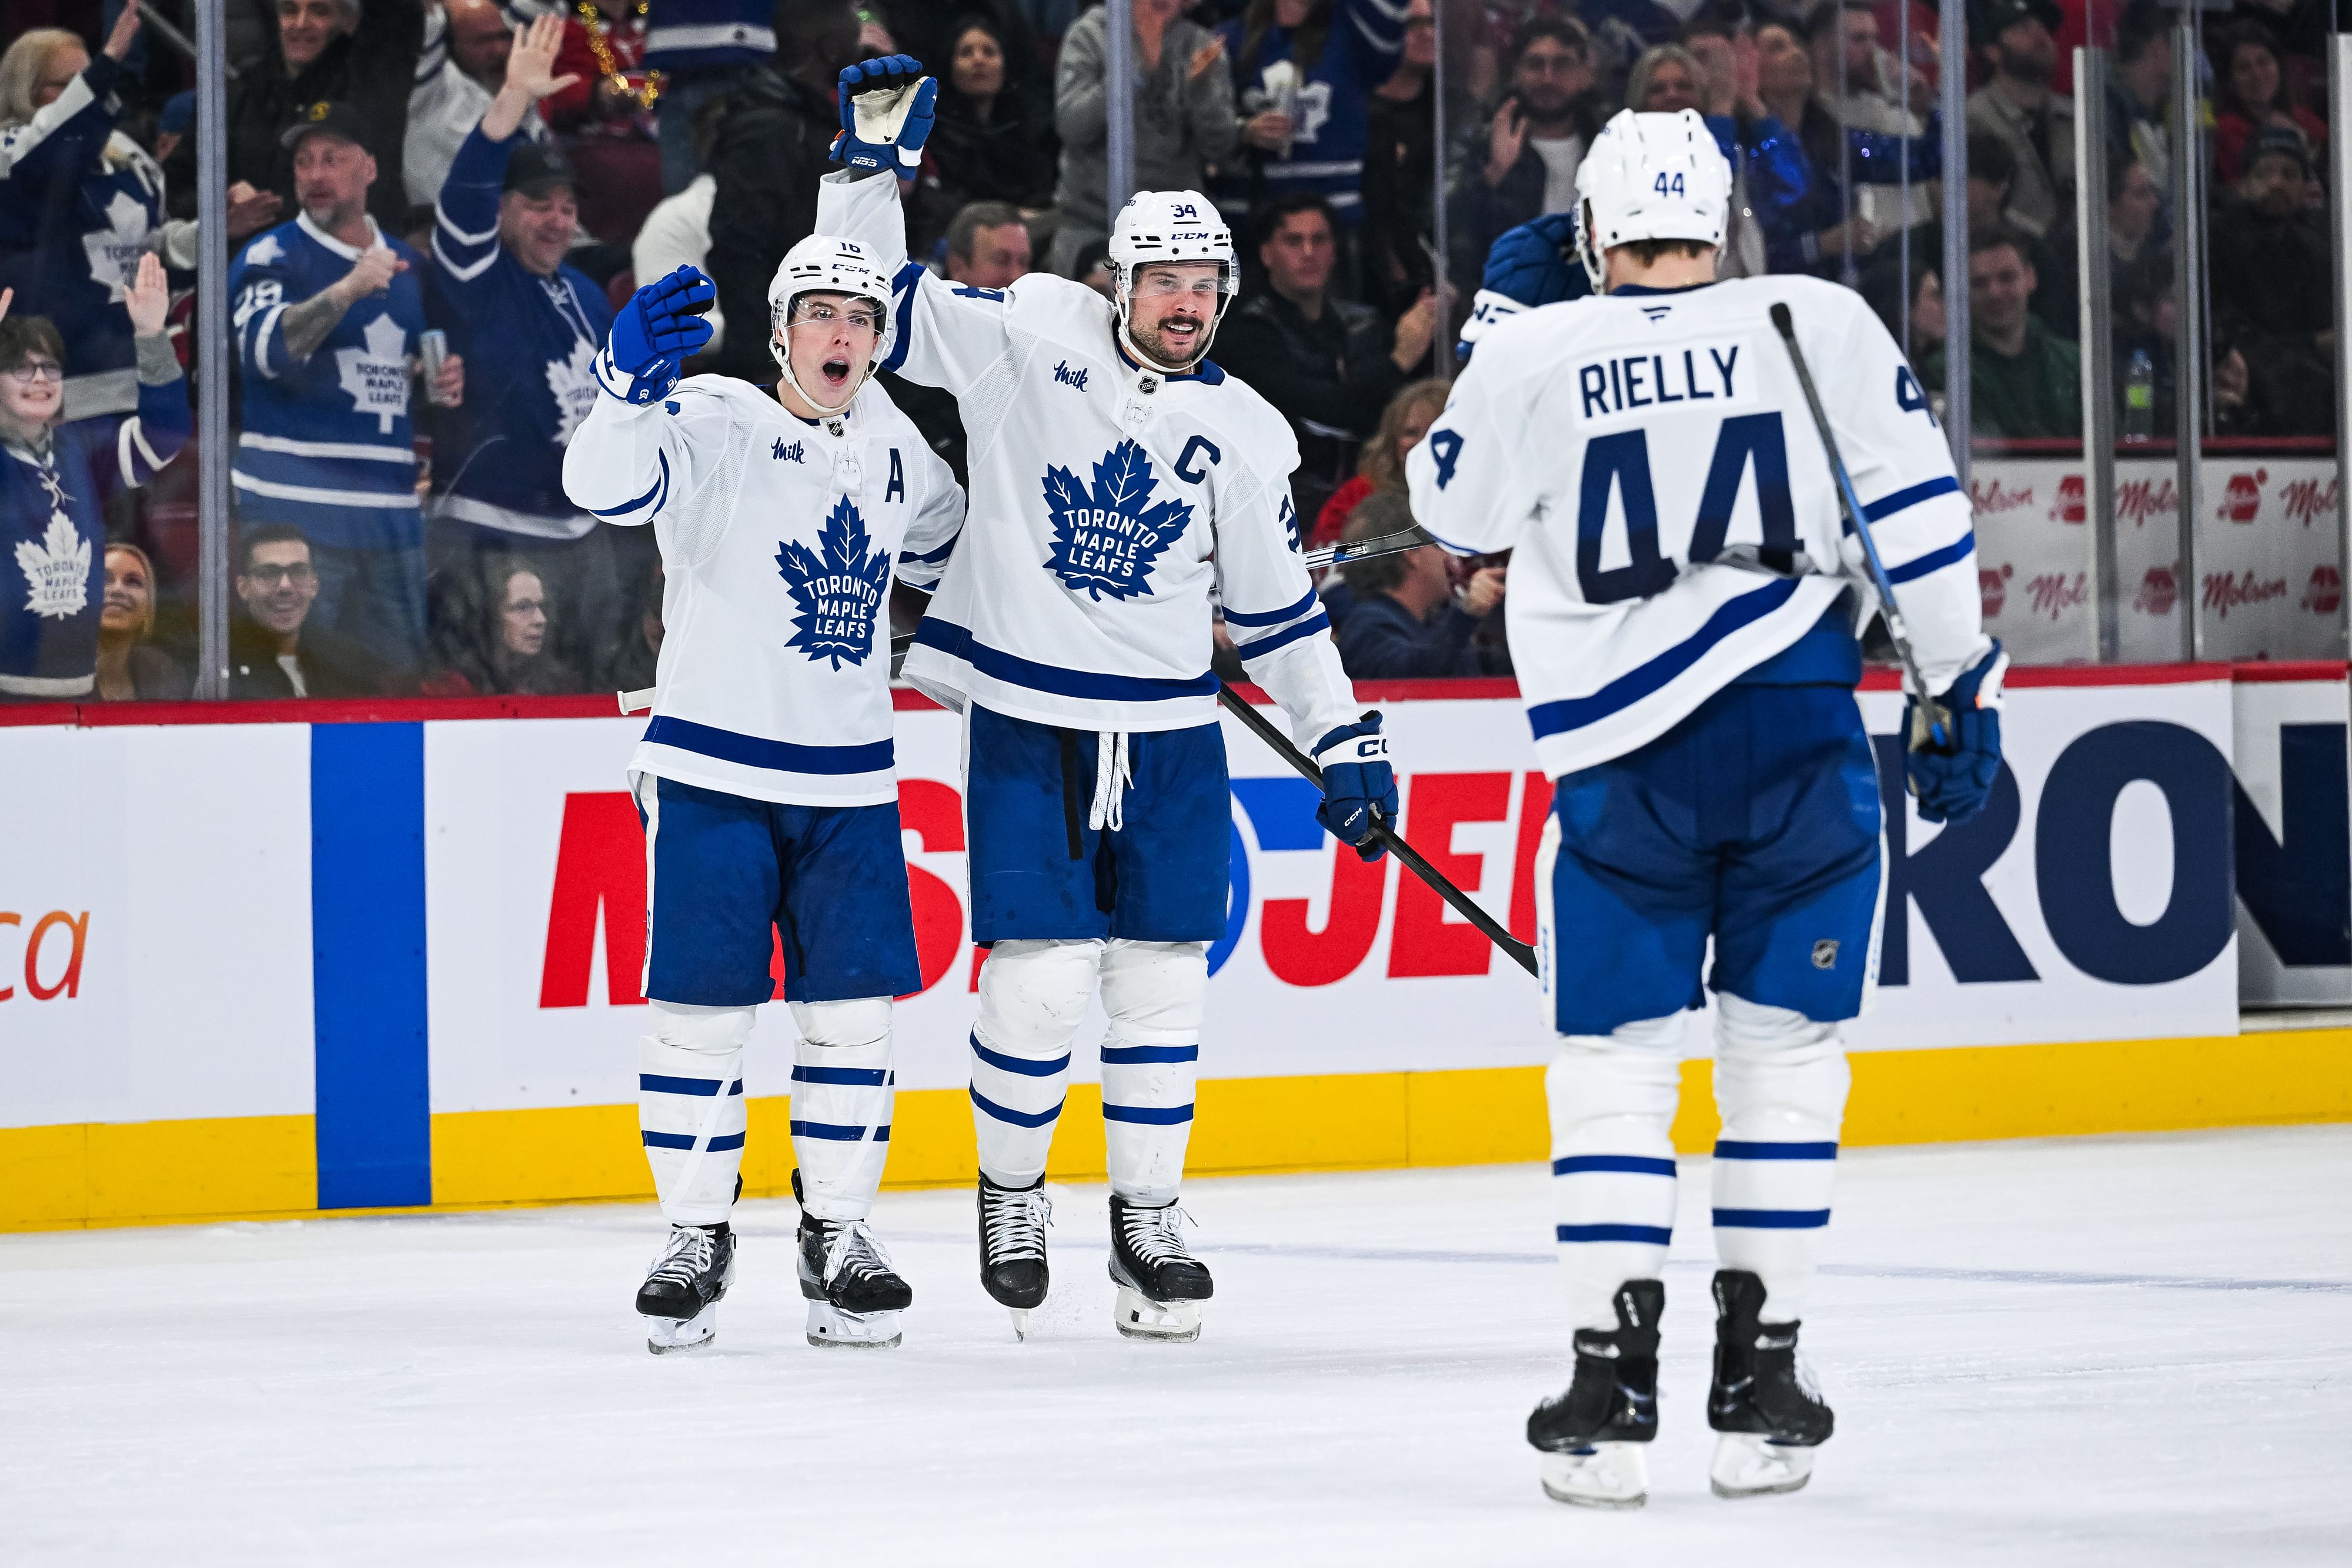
point(1650, 458)
point(778, 541)
point(1108, 504)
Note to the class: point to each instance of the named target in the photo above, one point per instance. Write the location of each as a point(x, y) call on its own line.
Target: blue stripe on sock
point(833, 1131)
point(851, 1077)
point(1023, 1065)
point(1631, 1164)
point(1017, 1118)
point(1735, 1149)
point(658, 1083)
point(1136, 1055)
point(1772, 1218)
point(1148, 1115)
point(718, 1146)
point(1657, 1234)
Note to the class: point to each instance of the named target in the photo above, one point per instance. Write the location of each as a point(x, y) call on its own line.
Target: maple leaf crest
point(377, 374)
point(573, 382)
point(837, 589)
point(56, 570)
point(1107, 536)
point(114, 250)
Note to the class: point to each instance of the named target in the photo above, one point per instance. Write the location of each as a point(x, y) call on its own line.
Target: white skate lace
point(1113, 773)
point(1017, 1224)
point(1151, 1234)
point(687, 1258)
point(854, 1250)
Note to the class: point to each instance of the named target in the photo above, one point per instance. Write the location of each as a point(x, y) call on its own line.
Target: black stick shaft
point(1263, 727)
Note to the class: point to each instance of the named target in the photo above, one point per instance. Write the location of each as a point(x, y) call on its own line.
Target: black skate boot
point(1161, 1284)
point(1590, 1435)
point(855, 1296)
point(680, 1296)
point(1763, 1401)
point(1012, 1221)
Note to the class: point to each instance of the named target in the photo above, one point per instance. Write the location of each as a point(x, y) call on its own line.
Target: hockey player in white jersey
point(1685, 606)
point(765, 777)
point(1118, 479)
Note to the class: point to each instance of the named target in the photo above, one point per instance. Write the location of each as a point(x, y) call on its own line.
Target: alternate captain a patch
point(1107, 534)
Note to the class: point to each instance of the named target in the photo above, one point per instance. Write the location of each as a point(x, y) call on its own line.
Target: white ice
point(2101, 1351)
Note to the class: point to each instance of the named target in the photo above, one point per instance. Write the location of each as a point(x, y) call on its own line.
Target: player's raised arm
point(643, 447)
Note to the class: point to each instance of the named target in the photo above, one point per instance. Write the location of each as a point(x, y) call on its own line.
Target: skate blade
point(1138, 1316)
point(1604, 1475)
point(829, 1328)
point(674, 1336)
point(1020, 1324)
point(1746, 1465)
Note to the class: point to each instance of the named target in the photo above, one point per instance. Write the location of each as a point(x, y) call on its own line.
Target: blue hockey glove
point(1953, 782)
point(888, 108)
point(661, 327)
point(1530, 265)
point(1357, 783)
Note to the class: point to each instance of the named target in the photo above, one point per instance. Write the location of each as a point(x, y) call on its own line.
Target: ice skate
point(855, 1296)
point(1012, 1221)
point(1592, 1435)
point(682, 1290)
point(1763, 1402)
point(1161, 1284)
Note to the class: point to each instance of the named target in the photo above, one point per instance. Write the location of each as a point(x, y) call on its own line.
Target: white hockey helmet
point(826, 264)
point(1650, 176)
point(1170, 225)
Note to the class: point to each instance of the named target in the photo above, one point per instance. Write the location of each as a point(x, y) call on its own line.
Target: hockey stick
point(1931, 724)
point(1263, 727)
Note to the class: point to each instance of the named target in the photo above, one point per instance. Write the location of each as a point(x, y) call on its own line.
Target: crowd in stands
point(433, 206)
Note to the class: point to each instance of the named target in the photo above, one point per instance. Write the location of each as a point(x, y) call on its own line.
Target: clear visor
point(1180, 280)
point(859, 315)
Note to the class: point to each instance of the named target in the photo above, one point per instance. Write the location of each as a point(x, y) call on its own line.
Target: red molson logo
point(2225, 591)
point(2157, 592)
point(2071, 507)
point(2324, 592)
point(2138, 500)
point(1992, 587)
point(2054, 593)
point(1996, 498)
point(2243, 498)
point(2305, 500)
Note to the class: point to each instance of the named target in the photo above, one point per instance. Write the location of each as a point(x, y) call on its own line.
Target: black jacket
point(331, 667)
point(1381, 641)
point(371, 68)
point(1399, 206)
point(1330, 377)
point(773, 147)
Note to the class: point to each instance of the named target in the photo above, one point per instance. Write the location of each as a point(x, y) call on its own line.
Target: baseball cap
point(538, 167)
point(179, 114)
point(1995, 17)
point(328, 118)
point(2283, 140)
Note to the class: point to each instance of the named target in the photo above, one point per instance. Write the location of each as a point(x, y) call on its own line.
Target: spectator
point(1992, 182)
point(605, 118)
point(329, 311)
point(2147, 314)
point(130, 667)
point(1400, 231)
point(1329, 365)
point(531, 327)
point(1184, 118)
point(2135, 210)
point(2139, 89)
point(775, 145)
point(492, 636)
point(988, 245)
point(704, 49)
point(2250, 96)
point(2272, 283)
point(1885, 285)
point(991, 144)
point(1380, 465)
point(2023, 382)
point(55, 479)
point(1876, 115)
point(273, 652)
point(336, 51)
point(1304, 73)
point(1407, 623)
point(461, 70)
point(636, 662)
point(2018, 109)
point(79, 201)
point(174, 123)
point(1521, 163)
point(1754, 144)
point(676, 233)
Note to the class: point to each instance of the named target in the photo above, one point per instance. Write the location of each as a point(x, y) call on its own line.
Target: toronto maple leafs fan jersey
point(1106, 505)
point(529, 345)
point(326, 444)
point(53, 535)
point(778, 539)
point(79, 203)
point(1649, 456)
point(1330, 102)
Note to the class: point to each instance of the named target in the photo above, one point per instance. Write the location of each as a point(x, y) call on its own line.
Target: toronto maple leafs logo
point(114, 250)
point(836, 589)
point(377, 375)
point(56, 570)
point(1106, 537)
point(573, 382)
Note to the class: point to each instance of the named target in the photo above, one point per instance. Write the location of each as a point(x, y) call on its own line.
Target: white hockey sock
point(1155, 993)
point(843, 1089)
point(1613, 1160)
point(1031, 997)
point(690, 1108)
point(1781, 1082)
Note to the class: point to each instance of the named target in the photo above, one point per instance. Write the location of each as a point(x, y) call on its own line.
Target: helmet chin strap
point(781, 353)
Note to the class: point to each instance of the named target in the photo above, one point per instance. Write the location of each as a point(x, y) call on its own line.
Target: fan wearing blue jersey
point(1685, 603)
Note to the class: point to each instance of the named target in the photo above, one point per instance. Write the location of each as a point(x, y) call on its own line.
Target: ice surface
point(2101, 1350)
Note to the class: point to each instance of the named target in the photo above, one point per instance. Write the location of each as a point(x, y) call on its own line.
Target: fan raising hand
point(530, 76)
point(148, 299)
